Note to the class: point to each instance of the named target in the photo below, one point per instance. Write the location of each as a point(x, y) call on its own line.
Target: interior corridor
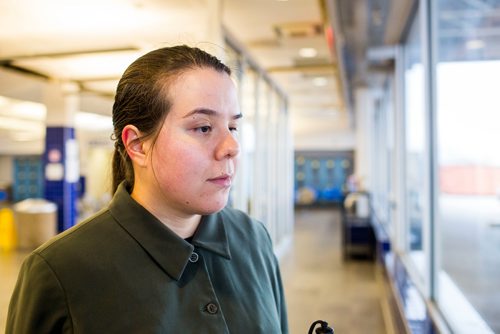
point(319, 284)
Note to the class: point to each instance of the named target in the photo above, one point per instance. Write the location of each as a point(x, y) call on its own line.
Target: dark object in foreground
point(324, 329)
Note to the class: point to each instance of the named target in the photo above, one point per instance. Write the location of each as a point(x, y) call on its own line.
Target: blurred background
point(370, 128)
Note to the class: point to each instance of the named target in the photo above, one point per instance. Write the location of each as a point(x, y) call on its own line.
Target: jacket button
point(194, 257)
point(212, 308)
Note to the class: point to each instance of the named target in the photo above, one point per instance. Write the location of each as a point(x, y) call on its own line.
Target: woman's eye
point(204, 129)
point(233, 129)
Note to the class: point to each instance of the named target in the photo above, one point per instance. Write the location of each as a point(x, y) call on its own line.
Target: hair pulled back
point(142, 97)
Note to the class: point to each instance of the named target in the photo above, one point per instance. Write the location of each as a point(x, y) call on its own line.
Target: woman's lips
point(222, 181)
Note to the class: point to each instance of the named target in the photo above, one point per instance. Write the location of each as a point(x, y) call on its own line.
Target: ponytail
point(120, 170)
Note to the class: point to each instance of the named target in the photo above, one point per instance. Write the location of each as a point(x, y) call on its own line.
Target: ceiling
point(90, 42)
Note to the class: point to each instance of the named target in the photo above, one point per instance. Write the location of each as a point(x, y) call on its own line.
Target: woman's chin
point(213, 207)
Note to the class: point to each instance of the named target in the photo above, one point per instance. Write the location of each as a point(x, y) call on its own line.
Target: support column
point(364, 126)
point(60, 159)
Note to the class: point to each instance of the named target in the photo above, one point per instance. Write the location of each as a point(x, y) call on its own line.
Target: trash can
point(358, 237)
point(357, 204)
point(36, 222)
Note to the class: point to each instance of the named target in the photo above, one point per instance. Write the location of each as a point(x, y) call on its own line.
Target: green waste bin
point(36, 222)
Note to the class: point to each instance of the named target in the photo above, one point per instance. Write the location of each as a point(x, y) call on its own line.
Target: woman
point(165, 256)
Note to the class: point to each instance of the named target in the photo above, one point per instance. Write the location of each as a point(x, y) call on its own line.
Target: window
point(415, 150)
point(468, 134)
point(384, 150)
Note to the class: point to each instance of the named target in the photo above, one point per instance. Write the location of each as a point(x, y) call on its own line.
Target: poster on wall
point(321, 176)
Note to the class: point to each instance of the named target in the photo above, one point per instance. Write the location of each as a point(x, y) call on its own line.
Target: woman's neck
point(184, 225)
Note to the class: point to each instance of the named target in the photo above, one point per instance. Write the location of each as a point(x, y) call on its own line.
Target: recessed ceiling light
point(308, 52)
point(320, 81)
point(93, 122)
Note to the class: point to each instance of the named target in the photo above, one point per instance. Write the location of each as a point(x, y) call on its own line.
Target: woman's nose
point(228, 147)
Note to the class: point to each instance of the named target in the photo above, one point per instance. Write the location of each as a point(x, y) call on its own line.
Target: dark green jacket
point(123, 271)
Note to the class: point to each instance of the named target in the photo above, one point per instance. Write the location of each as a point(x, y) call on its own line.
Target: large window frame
point(264, 182)
point(426, 274)
point(417, 261)
point(452, 302)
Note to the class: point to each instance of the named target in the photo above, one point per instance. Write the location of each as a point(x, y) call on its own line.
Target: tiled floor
point(319, 284)
point(9, 268)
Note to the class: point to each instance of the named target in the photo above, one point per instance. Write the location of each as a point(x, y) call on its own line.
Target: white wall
point(6, 170)
point(11, 147)
point(98, 172)
point(330, 141)
point(322, 131)
point(364, 127)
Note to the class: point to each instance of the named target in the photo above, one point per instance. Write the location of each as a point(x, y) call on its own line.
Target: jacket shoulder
point(85, 231)
point(238, 219)
point(38, 302)
point(240, 223)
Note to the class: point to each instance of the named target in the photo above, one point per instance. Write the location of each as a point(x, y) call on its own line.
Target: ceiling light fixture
point(82, 66)
point(93, 122)
point(25, 110)
point(320, 81)
point(308, 52)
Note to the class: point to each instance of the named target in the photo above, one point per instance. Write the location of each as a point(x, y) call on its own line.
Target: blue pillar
point(60, 158)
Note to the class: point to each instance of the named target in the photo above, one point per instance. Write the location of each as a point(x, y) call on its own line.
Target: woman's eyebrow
point(209, 112)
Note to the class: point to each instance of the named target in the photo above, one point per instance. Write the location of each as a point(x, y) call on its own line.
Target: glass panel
point(261, 150)
point(271, 168)
point(415, 142)
point(232, 60)
point(379, 150)
point(468, 127)
point(248, 137)
point(383, 148)
point(282, 166)
point(391, 160)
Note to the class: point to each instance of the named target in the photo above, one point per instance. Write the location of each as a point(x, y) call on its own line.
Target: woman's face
point(195, 155)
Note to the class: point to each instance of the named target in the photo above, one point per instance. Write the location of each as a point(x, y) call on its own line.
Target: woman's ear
point(134, 145)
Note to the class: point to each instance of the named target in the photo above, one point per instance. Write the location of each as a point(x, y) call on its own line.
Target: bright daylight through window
point(468, 131)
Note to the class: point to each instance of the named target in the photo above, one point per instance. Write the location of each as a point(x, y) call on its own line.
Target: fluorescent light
point(16, 115)
point(27, 136)
point(29, 110)
point(3, 101)
point(320, 81)
point(308, 52)
point(22, 109)
point(11, 123)
point(86, 66)
point(93, 122)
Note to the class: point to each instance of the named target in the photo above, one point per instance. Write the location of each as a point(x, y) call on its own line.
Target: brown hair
point(142, 100)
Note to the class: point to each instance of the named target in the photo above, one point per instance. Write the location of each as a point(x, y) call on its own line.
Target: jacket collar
point(211, 235)
point(168, 250)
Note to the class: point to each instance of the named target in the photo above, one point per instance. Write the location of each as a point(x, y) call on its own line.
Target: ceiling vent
point(298, 29)
point(312, 61)
point(264, 43)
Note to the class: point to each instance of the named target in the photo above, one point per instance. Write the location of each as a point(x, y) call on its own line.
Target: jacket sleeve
point(277, 284)
point(38, 303)
point(281, 304)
